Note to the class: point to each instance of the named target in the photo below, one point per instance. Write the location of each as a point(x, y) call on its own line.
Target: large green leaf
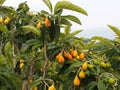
point(91, 85)
point(75, 33)
point(69, 6)
point(32, 29)
point(115, 29)
point(35, 83)
point(8, 82)
point(104, 41)
point(101, 85)
point(117, 74)
point(6, 10)
point(7, 51)
point(48, 3)
point(72, 18)
point(65, 22)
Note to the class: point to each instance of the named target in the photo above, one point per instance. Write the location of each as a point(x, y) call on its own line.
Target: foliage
point(36, 54)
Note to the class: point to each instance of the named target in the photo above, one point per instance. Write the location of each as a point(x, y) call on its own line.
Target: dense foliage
point(36, 55)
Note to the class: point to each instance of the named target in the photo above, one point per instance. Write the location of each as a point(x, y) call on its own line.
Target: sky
point(100, 13)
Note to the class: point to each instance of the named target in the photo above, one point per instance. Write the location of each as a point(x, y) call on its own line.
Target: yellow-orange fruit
point(21, 65)
point(34, 88)
point(47, 22)
point(58, 55)
point(21, 61)
point(65, 54)
point(82, 74)
point(82, 56)
point(71, 51)
point(39, 25)
point(6, 21)
point(75, 53)
point(1, 20)
point(30, 13)
point(52, 87)
point(8, 18)
point(84, 66)
point(30, 81)
point(70, 56)
point(78, 57)
point(76, 81)
point(61, 59)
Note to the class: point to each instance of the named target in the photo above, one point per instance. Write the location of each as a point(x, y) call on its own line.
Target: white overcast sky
point(100, 12)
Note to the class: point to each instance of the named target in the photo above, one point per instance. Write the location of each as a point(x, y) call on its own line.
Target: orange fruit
point(82, 56)
point(65, 54)
point(71, 51)
point(69, 56)
point(1, 20)
point(61, 59)
point(75, 53)
point(76, 81)
point(8, 18)
point(84, 66)
point(82, 74)
point(6, 21)
point(52, 87)
point(58, 55)
point(47, 22)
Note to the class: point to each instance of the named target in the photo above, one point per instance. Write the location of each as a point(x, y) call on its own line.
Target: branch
point(46, 60)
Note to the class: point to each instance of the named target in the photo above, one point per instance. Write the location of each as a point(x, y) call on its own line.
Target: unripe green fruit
point(108, 65)
point(111, 81)
point(103, 64)
point(90, 66)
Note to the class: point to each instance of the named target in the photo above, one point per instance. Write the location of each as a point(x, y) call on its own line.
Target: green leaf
point(72, 18)
point(8, 82)
point(7, 9)
point(115, 73)
point(101, 85)
point(67, 30)
point(115, 29)
point(103, 41)
point(69, 6)
point(7, 51)
point(3, 28)
point(75, 33)
point(72, 67)
point(32, 42)
point(65, 22)
point(91, 85)
point(48, 3)
point(8, 47)
point(35, 83)
point(32, 29)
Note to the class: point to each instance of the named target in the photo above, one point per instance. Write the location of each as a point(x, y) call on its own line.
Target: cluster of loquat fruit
point(69, 56)
point(5, 21)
